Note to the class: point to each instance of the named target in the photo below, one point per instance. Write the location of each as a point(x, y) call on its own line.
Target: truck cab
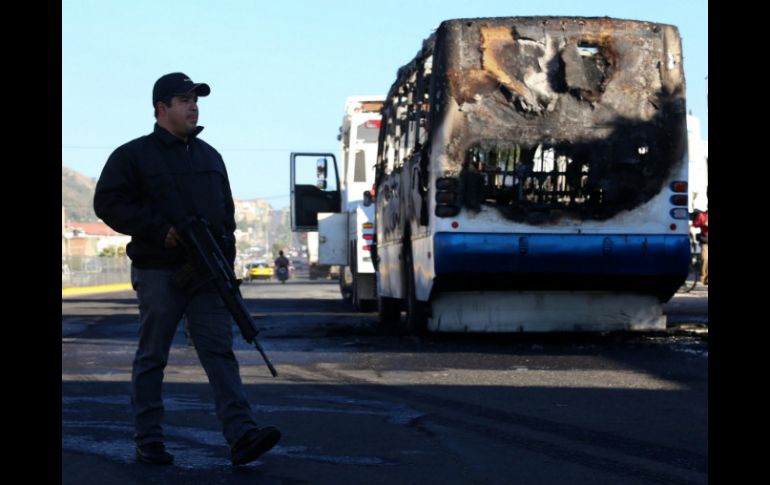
point(328, 197)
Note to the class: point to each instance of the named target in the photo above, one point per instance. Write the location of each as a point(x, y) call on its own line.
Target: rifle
point(210, 264)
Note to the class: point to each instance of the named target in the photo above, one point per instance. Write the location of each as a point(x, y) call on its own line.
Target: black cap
point(175, 84)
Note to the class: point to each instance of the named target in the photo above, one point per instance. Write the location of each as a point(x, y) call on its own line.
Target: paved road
point(359, 404)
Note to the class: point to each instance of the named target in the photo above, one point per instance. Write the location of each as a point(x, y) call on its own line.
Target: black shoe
point(254, 443)
point(153, 453)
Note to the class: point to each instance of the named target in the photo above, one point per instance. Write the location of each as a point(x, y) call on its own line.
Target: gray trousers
point(161, 306)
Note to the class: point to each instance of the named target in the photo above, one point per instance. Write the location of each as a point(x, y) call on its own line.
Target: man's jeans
point(161, 307)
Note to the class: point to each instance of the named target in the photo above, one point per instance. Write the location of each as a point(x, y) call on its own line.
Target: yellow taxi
point(258, 270)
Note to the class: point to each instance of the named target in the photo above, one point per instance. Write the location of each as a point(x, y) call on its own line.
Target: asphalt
point(683, 308)
point(688, 308)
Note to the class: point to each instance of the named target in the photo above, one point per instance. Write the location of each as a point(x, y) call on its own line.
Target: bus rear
point(551, 176)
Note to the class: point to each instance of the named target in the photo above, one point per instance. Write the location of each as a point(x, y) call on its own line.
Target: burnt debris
point(547, 117)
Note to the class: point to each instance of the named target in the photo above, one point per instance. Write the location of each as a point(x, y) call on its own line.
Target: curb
point(85, 290)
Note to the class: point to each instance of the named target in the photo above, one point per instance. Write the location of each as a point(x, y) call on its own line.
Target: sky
point(279, 72)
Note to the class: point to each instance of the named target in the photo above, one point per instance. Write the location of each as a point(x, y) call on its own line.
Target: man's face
point(181, 117)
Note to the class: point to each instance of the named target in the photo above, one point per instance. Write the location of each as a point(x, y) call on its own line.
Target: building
point(252, 219)
point(90, 239)
point(698, 165)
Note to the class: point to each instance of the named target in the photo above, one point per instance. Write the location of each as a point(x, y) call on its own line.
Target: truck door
point(315, 187)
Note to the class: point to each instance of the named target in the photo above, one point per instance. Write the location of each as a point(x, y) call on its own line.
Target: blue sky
point(280, 71)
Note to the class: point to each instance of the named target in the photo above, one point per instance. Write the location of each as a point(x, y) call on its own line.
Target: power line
point(94, 147)
point(267, 197)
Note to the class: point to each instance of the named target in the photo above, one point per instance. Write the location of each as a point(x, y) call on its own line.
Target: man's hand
point(172, 239)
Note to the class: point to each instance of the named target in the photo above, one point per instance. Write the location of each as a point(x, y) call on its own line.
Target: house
point(90, 239)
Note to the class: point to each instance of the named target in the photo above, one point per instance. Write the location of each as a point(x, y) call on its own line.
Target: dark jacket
point(137, 195)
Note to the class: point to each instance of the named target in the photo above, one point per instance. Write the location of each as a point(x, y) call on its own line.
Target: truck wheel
point(360, 304)
point(346, 288)
point(354, 296)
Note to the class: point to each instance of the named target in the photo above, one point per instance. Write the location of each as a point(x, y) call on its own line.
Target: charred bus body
point(532, 175)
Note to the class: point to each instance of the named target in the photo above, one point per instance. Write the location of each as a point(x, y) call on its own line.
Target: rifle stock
point(209, 259)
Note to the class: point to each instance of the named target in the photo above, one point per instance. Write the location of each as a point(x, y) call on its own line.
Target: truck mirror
point(367, 198)
point(321, 168)
point(321, 184)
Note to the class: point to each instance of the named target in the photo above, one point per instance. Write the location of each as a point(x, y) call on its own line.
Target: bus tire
point(389, 310)
point(416, 310)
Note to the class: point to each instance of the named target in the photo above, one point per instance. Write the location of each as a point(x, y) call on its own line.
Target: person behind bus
point(145, 186)
point(701, 220)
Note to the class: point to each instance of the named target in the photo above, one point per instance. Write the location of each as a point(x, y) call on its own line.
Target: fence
point(79, 271)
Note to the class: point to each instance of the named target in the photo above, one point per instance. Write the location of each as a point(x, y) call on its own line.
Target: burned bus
point(532, 176)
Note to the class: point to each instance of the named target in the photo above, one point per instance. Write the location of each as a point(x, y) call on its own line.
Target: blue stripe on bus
point(563, 253)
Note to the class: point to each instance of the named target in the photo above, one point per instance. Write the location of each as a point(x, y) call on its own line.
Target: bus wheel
point(389, 310)
point(416, 310)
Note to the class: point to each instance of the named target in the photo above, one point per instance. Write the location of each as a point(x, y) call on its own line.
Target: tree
point(108, 252)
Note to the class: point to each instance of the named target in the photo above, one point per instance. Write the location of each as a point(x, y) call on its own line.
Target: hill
point(77, 196)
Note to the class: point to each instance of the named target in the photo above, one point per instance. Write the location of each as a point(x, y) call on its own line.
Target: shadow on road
point(652, 436)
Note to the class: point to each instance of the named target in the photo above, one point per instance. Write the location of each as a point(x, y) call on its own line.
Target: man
point(146, 187)
point(701, 220)
point(281, 261)
point(282, 267)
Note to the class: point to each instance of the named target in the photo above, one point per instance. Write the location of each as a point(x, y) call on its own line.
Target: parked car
point(258, 270)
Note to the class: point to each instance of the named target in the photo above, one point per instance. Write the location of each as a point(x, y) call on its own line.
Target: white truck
point(317, 270)
point(334, 205)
